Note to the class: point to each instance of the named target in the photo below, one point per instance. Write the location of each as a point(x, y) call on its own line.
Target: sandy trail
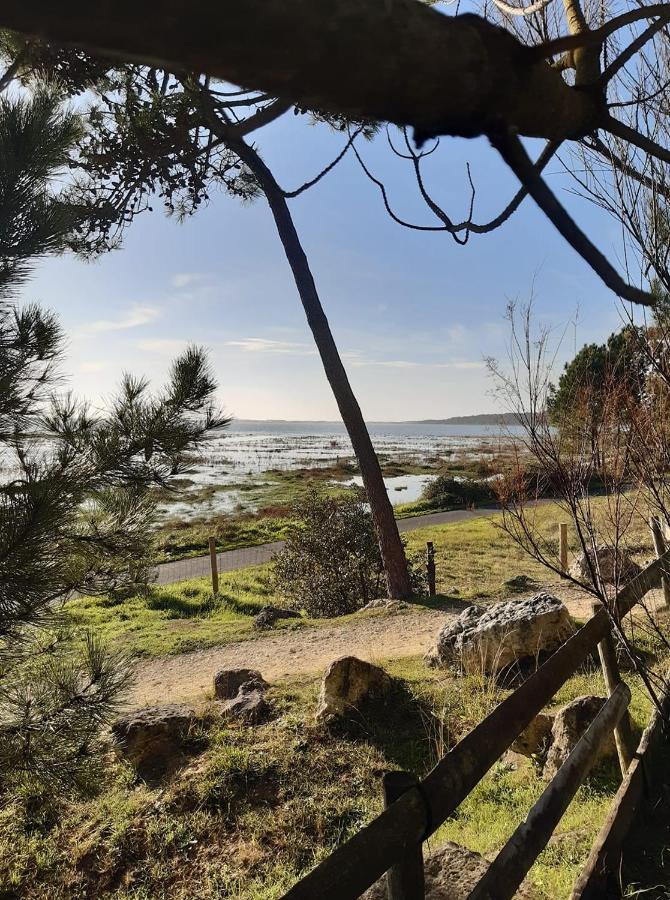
point(282, 654)
point(285, 653)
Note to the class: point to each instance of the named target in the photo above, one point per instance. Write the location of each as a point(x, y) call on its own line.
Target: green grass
point(476, 557)
point(179, 617)
point(257, 808)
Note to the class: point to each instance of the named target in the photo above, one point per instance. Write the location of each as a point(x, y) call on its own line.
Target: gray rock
point(229, 682)
point(349, 683)
point(519, 583)
point(249, 707)
point(451, 873)
point(490, 640)
point(534, 740)
point(268, 615)
point(569, 725)
point(604, 562)
point(154, 739)
point(383, 603)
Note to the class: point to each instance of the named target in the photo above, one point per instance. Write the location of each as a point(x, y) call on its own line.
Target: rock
point(490, 640)
point(569, 725)
point(606, 557)
point(154, 739)
point(382, 603)
point(268, 615)
point(249, 707)
point(534, 740)
point(451, 873)
point(519, 583)
point(229, 682)
point(348, 684)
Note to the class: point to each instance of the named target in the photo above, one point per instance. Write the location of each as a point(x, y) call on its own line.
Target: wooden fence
point(392, 842)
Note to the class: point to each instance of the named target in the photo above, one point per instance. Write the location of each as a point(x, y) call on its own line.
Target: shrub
point(331, 564)
point(445, 490)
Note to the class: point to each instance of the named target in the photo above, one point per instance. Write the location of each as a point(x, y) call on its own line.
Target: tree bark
point(390, 544)
point(384, 60)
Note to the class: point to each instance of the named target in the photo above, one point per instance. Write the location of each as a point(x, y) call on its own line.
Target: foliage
point(457, 491)
point(76, 504)
point(331, 564)
point(619, 365)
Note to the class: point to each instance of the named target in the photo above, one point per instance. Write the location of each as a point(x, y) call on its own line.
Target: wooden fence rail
point(421, 810)
point(513, 863)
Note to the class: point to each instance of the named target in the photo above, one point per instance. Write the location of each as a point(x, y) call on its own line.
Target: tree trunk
point(384, 60)
point(390, 545)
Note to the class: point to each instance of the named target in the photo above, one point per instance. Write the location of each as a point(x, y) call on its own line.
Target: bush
point(445, 490)
point(331, 564)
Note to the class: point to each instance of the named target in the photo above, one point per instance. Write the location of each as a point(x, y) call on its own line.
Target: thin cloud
point(88, 368)
point(265, 345)
point(357, 360)
point(135, 318)
point(168, 346)
point(185, 279)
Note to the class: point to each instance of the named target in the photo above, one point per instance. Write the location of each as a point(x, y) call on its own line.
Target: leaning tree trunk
point(390, 545)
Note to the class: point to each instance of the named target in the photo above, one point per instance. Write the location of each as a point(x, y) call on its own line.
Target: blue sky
point(413, 313)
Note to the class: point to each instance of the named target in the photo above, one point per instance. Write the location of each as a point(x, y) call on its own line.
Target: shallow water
point(237, 455)
point(401, 488)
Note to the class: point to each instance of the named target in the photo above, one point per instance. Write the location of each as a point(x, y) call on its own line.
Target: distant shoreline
point(479, 419)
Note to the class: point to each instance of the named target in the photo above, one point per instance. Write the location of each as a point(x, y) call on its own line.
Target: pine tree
point(77, 489)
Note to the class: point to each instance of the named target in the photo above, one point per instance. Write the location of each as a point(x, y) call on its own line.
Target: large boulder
point(249, 707)
point(490, 640)
point(603, 561)
point(569, 725)
point(229, 682)
point(535, 739)
point(348, 684)
point(451, 873)
point(154, 739)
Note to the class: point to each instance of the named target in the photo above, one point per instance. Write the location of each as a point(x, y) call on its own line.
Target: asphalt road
point(230, 560)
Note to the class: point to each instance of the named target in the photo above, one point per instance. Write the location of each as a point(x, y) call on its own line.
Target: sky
point(413, 313)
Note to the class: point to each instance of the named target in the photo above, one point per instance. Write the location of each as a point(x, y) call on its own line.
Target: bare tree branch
point(260, 118)
point(402, 62)
point(634, 47)
point(325, 171)
point(626, 133)
point(596, 36)
point(512, 151)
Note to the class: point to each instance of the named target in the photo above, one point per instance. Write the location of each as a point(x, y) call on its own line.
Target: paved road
point(230, 560)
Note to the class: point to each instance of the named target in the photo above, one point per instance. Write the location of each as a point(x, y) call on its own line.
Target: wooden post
point(430, 568)
point(659, 547)
point(623, 735)
point(563, 547)
point(405, 879)
point(214, 564)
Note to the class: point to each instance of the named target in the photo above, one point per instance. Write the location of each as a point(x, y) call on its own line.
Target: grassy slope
point(475, 556)
point(256, 807)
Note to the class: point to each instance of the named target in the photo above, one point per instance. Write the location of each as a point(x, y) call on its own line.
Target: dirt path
point(285, 653)
point(282, 654)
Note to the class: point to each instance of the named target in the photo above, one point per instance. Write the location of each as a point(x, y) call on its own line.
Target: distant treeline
point(481, 419)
